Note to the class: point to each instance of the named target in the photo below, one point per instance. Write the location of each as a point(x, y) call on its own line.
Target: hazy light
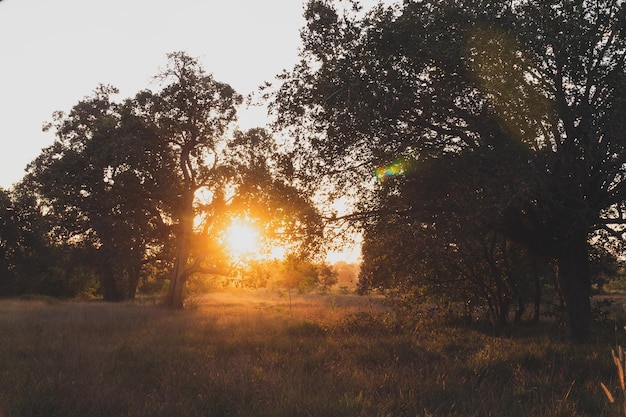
point(242, 238)
point(278, 252)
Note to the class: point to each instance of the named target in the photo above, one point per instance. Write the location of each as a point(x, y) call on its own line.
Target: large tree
point(106, 186)
point(158, 177)
point(191, 113)
point(224, 172)
point(541, 82)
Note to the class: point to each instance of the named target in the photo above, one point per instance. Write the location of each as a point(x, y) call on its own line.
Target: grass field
point(262, 354)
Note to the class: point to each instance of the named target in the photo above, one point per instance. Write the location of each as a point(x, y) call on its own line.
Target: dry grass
point(257, 354)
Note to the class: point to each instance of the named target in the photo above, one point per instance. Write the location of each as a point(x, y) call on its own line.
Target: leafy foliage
point(108, 184)
point(531, 91)
point(150, 183)
point(30, 262)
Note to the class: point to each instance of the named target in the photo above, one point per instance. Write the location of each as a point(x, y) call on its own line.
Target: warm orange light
point(278, 252)
point(242, 238)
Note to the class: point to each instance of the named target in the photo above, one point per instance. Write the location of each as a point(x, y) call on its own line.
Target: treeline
point(143, 190)
point(33, 264)
point(482, 144)
point(291, 273)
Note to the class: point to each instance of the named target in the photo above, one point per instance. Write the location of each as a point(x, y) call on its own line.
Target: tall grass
point(249, 355)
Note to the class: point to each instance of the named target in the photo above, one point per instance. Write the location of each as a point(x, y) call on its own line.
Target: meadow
point(264, 354)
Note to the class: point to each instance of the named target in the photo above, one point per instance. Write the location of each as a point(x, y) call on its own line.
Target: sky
point(54, 53)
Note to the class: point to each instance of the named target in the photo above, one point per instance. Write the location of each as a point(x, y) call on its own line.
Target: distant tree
point(260, 274)
point(541, 83)
point(347, 274)
point(299, 273)
point(326, 276)
point(304, 274)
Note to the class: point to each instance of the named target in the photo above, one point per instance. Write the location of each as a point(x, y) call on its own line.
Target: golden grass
point(619, 359)
point(260, 354)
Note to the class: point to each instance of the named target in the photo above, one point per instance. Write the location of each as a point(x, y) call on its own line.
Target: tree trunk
point(179, 274)
point(107, 276)
point(175, 293)
point(133, 280)
point(519, 312)
point(575, 282)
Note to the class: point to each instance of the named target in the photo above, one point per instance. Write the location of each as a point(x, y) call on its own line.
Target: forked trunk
point(575, 282)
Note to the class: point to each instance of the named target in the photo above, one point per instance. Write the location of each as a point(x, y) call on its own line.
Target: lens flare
point(397, 167)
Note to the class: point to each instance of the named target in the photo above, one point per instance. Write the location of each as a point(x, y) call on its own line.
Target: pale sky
point(55, 52)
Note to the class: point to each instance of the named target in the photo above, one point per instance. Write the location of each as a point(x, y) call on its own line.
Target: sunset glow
point(242, 239)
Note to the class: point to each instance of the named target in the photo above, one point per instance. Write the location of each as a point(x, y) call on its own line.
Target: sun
point(242, 238)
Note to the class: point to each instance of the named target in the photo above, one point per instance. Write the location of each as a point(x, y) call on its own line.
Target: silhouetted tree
point(327, 276)
point(156, 179)
point(106, 184)
point(190, 113)
point(542, 83)
point(31, 262)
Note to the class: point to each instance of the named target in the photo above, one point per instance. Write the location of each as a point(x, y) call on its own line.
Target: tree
point(299, 273)
point(327, 276)
point(9, 236)
point(439, 242)
point(542, 83)
point(240, 173)
point(106, 184)
point(30, 261)
point(347, 274)
point(156, 178)
point(191, 114)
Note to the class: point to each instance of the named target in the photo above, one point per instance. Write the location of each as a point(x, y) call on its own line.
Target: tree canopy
point(533, 90)
point(108, 184)
point(151, 182)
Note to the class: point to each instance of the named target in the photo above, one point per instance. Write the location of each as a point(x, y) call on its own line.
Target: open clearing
point(264, 353)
